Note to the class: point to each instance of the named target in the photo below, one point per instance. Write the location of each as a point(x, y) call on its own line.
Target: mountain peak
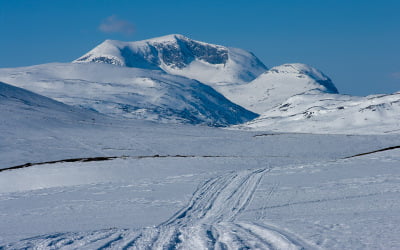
point(299, 70)
point(170, 37)
point(180, 55)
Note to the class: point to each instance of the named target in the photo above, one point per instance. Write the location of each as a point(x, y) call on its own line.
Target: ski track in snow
point(207, 222)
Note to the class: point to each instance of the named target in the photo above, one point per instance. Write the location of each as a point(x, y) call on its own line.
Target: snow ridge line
point(207, 222)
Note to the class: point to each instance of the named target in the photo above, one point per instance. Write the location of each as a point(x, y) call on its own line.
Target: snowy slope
point(19, 106)
point(129, 92)
point(332, 113)
point(179, 55)
point(276, 85)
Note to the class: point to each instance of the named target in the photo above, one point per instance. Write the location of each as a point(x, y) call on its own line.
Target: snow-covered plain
point(194, 187)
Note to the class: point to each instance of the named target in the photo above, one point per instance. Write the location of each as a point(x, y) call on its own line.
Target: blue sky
point(356, 43)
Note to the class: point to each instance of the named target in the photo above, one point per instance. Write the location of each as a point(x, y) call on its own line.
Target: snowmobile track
point(209, 221)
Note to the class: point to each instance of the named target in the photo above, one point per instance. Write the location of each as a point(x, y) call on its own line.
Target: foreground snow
point(208, 221)
point(335, 205)
point(196, 187)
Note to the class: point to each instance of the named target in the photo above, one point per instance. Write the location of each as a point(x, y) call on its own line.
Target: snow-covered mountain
point(235, 73)
point(316, 112)
point(129, 92)
point(179, 55)
point(276, 85)
point(150, 80)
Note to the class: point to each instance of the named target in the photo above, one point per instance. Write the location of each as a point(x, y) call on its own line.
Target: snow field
point(303, 197)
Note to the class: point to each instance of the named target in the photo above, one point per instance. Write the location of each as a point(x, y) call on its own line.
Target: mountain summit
point(179, 55)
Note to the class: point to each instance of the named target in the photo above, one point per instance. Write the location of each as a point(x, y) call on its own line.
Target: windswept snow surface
point(276, 85)
point(332, 113)
point(336, 204)
point(176, 186)
point(179, 55)
point(129, 92)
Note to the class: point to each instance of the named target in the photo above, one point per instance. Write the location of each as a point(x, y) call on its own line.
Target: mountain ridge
point(159, 79)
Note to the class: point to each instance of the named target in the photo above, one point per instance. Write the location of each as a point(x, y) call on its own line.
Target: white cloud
point(113, 24)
